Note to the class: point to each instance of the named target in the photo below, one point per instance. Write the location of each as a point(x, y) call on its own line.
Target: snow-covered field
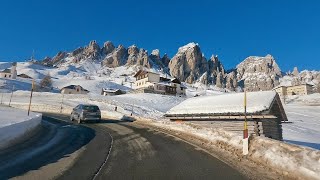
point(304, 115)
point(15, 123)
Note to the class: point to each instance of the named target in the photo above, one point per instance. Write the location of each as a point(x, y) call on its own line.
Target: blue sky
point(287, 29)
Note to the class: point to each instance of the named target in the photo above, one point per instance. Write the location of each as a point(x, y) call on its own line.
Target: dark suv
point(85, 112)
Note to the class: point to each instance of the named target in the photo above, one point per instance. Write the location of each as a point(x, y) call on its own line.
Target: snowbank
point(291, 161)
point(295, 160)
point(15, 123)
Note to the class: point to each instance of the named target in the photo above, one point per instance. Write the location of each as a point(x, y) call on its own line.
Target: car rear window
point(91, 108)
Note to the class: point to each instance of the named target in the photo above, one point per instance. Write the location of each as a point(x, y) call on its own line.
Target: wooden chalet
point(265, 112)
point(111, 92)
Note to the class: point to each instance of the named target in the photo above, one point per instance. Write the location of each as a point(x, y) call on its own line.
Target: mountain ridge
point(189, 64)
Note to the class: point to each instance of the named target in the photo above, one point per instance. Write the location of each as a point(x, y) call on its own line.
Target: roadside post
point(61, 107)
point(132, 105)
point(11, 95)
point(32, 88)
point(1, 97)
point(245, 129)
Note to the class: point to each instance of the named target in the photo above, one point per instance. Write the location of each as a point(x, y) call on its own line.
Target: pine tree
point(46, 82)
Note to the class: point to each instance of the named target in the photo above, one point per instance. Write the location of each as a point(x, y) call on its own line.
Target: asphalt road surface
point(116, 150)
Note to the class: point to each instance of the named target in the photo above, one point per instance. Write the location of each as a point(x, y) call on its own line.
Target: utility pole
point(61, 103)
point(32, 87)
point(11, 95)
point(132, 110)
point(1, 97)
point(245, 128)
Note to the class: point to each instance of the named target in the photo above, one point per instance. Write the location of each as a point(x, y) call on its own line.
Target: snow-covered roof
point(74, 87)
point(6, 71)
point(143, 72)
point(110, 90)
point(232, 103)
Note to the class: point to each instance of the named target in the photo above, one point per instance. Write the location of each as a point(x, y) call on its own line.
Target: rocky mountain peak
point(116, 58)
point(188, 64)
point(295, 71)
point(188, 47)
point(259, 73)
point(108, 47)
point(133, 50)
point(92, 48)
point(155, 53)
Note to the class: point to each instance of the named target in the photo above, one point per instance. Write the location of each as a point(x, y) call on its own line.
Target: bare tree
point(46, 82)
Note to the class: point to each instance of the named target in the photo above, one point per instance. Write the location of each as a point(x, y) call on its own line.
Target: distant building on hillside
point(111, 92)
point(150, 82)
point(74, 89)
point(9, 73)
point(24, 76)
point(302, 89)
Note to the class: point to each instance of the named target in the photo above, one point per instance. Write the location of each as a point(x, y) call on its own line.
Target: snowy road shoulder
point(15, 123)
point(287, 161)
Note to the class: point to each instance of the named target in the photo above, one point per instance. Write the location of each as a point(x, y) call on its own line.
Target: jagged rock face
point(133, 52)
point(116, 58)
point(293, 79)
point(92, 51)
point(137, 57)
point(77, 51)
point(231, 81)
point(295, 71)
point(165, 60)
point(215, 66)
point(47, 61)
point(259, 73)
point(155, 54)
point(143, 58)
point(188, 64)
point(156, 61)
point(59, 57)
point(108, 47)
point(219, 80)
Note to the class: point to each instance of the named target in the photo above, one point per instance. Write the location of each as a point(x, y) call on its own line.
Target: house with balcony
point(151, 82)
